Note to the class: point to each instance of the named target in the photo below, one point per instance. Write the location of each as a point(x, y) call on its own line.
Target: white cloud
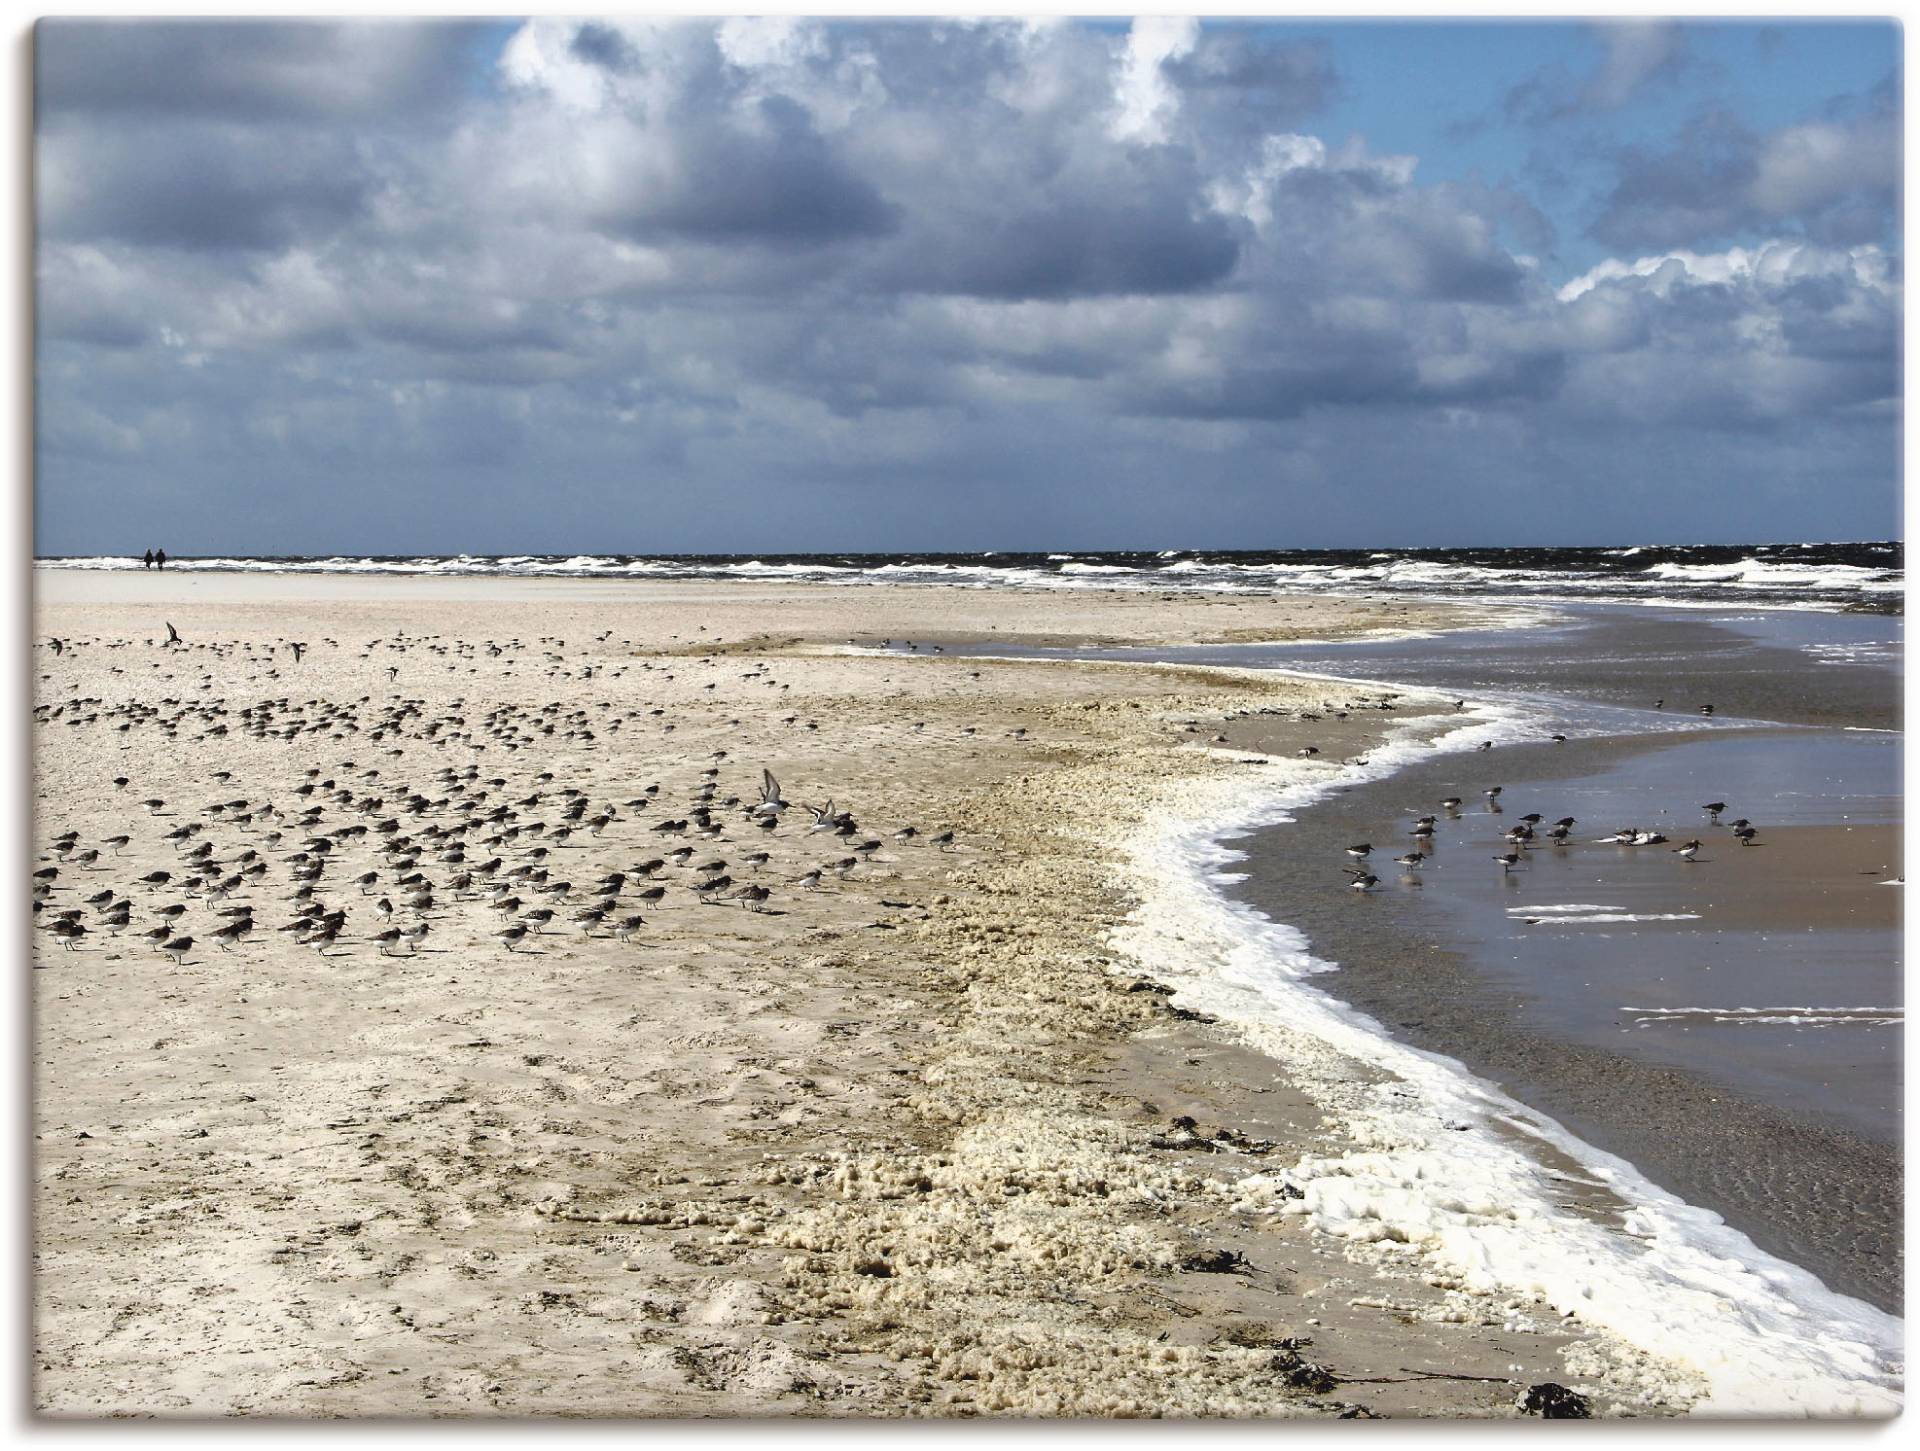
point(1144, 103)
point(1771, 265)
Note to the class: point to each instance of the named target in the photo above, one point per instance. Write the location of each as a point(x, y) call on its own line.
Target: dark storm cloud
point(949, 276)
point(1836, 179)
point(199, 185)
point(251, 70)
point(1125, 224)
point(1369, 234)
point(777, 183)
point(603, 46)
point(1239, 79)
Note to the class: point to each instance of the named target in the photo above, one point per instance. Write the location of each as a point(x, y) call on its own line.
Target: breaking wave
point(1869, 576)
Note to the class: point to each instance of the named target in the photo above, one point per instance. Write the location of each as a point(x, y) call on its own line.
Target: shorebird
point(1412, 860)
point(1360, 852)
point(1508, 861)
point(1687, 851)
point(1450, 803)
point(1746, 834)
point(771, 803)
point(1363, 881)
point(1714, 808)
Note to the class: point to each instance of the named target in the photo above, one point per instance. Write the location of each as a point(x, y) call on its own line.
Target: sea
point(1866, 576)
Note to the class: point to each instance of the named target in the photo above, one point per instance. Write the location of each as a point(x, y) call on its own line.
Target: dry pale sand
point(919, 1143)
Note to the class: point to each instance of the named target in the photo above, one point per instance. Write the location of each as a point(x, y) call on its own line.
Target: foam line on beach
point(1754, 1334)
point(1591, 918)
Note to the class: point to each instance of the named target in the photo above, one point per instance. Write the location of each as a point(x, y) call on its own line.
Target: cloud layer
point(777, 284)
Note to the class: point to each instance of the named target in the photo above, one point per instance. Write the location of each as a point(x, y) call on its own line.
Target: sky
point(781, 285)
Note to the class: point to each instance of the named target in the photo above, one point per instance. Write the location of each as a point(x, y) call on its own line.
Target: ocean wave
point(1765, 573)
point(1791, 576)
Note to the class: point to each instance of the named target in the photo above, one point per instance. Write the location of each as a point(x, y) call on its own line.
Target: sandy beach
point(928, 1140)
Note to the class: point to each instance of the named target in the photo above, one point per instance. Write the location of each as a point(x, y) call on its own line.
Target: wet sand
point(920, 1143)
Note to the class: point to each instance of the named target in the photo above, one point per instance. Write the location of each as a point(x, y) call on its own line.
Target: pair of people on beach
point(154, 559)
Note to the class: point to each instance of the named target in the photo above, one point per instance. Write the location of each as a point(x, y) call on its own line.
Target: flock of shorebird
point(358, 852)
point(1531, 831)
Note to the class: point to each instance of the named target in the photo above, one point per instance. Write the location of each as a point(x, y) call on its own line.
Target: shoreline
point(1384, 1193)
point(1016, 1108)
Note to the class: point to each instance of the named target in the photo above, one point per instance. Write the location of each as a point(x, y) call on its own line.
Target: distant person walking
point(160, 559)
point(146, 560)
